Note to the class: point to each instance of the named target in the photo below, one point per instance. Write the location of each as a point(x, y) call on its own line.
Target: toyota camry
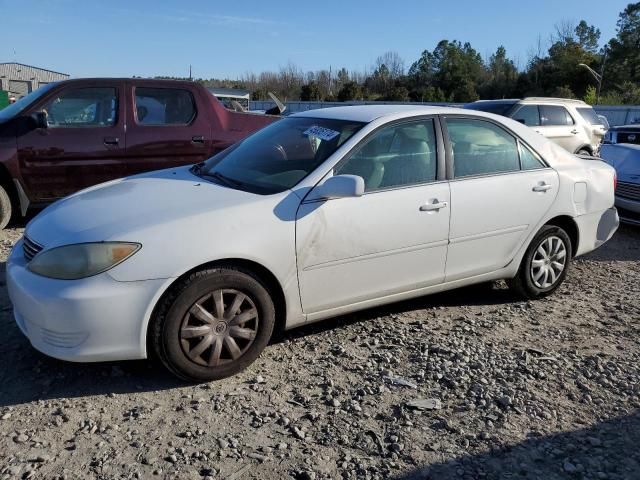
point(322, 213)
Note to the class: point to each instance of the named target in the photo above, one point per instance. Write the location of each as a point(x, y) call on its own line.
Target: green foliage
point(310, 92)
point(623, 62)
point(591, 95)
point(350, 91)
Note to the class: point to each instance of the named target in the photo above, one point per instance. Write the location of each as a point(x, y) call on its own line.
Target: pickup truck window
point(164, 106)
point(83, 107)
point(15, 109)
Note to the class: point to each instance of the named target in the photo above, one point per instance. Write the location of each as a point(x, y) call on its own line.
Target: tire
point(5, 208)
point(529, 282)
point(197, 341)
point(584, 151)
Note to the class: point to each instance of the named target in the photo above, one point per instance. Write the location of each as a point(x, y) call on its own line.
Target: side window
point(528, 159)
point(529, 115)
point(554, 115)
point(395, 156)
point(83, 107)
point(164, 106)
point(481, 148)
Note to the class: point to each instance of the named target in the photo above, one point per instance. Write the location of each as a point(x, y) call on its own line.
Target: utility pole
point(596, 75)
point(190, 76)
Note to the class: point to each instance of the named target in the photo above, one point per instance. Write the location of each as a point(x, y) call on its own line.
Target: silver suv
point(572, 124)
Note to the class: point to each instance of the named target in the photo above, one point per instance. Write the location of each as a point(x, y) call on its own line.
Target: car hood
point(625, 158)
point(117, 209)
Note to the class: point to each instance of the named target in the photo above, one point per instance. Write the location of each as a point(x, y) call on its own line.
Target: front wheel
point(545, 264)
point(5, 208)
point(213, 324)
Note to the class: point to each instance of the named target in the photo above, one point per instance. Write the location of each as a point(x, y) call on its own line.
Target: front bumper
point(88, 320)
point(629, 210)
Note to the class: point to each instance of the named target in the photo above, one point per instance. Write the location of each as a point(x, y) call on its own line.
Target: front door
point(167, 129)
point(392, 239)
point(500, 191)
point(83, 145)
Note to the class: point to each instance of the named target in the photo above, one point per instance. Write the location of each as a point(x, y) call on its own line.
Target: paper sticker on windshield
point(321, 133)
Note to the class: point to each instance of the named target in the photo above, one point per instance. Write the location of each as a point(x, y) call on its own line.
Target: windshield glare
point(279, 156)
point(15, 108)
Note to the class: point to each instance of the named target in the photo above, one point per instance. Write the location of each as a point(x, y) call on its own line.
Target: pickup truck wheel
point(5, 208)
point(545, 264)
point(213, 324)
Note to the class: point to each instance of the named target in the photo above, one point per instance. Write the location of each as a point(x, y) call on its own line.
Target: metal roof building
point(19, 79)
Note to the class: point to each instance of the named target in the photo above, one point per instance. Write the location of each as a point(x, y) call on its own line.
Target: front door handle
point(197, 139)
point(433, 206)
point(542, 187)
point(111, 141)
point(575, 132)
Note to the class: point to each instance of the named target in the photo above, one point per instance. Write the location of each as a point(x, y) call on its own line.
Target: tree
point(624, 50)
point(587, 36)
point(502, 76)
point(310, 92)
point(350, 91)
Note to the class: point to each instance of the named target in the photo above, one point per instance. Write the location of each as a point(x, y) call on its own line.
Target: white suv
point(572, 124)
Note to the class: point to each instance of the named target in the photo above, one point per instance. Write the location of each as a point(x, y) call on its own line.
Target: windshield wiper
point(230, 182)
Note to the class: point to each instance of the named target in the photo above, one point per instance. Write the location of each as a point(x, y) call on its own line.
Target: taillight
point(615, 181)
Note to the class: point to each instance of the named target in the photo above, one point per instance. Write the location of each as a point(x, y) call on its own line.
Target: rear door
point(500, 190)
point(557, 124)
point(165, 127)
point(83, 145)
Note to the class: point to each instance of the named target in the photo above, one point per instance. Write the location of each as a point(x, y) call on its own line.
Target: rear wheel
point(545, 264)
point(584, 151)
point(213, 325)
point(5, 208)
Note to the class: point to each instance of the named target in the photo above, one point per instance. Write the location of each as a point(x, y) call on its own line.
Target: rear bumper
point(88, 320)
point(595, 229)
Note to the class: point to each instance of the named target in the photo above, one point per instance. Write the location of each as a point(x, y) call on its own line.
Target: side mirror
point(341, 186)
point(40, 120)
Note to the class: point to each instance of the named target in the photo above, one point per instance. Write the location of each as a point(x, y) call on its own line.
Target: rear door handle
point(435, 206)
point(542, 187)
point(197, 139)
point(111, 140)
point(575, 132)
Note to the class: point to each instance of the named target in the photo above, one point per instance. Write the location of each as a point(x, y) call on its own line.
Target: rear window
point(499, 108)
point(164, 106)
point(590, 115)
point(555, 115)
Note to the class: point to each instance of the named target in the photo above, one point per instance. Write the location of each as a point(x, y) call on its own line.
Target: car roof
point(369, 113)
point(554, 100)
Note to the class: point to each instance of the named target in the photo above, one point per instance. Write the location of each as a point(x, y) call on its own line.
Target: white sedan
point(319, 214)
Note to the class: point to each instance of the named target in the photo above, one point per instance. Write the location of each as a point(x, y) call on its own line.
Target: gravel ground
point(471, 384)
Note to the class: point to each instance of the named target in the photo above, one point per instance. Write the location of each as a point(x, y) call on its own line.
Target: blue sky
point(226, 39)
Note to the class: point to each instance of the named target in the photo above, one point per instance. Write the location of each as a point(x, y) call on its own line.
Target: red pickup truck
point(69, 135)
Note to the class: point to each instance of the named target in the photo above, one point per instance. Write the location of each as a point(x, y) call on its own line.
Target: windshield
point(590, 115)
point(499, 108)
point(15, 108)
point(279, 156)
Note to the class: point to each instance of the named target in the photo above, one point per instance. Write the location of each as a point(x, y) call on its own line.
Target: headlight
point(81, 260)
